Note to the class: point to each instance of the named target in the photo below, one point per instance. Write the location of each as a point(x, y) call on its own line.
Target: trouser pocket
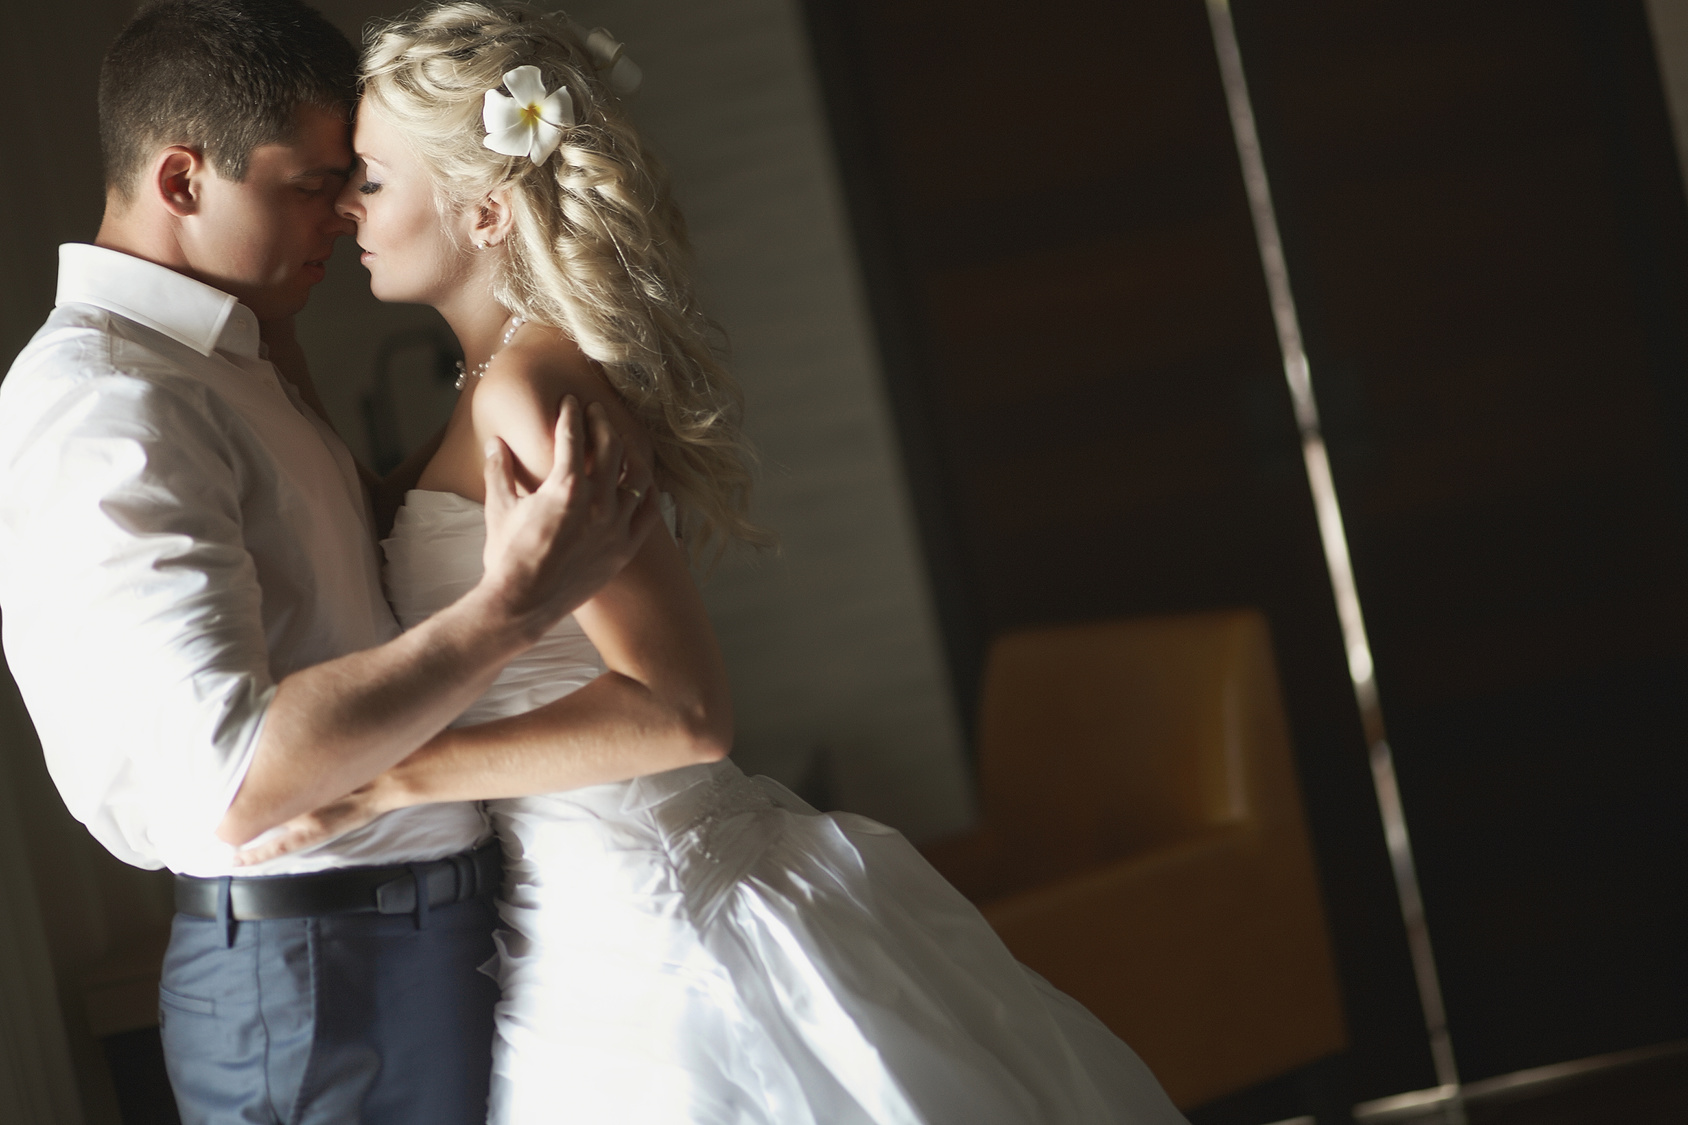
point(215, 1041)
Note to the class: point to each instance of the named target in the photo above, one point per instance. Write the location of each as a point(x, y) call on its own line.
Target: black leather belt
point(346, 890)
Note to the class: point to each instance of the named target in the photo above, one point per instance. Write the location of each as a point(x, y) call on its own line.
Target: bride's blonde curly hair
point(598, 247)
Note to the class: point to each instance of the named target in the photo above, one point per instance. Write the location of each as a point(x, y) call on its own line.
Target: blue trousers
point(353, 1018)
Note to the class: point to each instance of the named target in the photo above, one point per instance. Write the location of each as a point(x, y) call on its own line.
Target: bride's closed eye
point(368, 187)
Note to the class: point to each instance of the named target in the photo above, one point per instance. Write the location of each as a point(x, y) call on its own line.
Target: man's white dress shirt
point(178, 532)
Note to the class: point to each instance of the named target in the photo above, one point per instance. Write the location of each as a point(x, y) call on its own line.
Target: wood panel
point(1067, 292)
point(1487, 236)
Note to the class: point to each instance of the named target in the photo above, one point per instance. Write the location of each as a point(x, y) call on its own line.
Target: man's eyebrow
point(344, 170)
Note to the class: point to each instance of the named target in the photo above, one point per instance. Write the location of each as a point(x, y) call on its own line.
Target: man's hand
point(551, 549)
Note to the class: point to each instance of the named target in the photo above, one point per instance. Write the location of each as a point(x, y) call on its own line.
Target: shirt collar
point(188, 311)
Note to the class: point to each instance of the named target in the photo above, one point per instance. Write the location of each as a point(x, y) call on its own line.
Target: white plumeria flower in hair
point(527, 121)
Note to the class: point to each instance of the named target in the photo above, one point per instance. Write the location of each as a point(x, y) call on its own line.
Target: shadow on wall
point(91, 907)
point(412, 389)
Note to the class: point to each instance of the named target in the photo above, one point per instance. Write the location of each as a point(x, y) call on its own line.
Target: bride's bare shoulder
point(522, 391)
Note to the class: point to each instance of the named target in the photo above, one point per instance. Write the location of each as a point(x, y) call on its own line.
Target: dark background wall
point(1484, 216)
point(1486, 233)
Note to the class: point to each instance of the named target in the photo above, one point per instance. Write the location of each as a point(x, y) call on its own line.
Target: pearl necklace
point(467, 375)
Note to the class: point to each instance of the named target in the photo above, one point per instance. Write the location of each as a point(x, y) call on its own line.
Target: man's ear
point(493, 219)
point(175, 176)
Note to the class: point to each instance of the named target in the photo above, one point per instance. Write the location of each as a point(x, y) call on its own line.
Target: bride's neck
point(476, 320)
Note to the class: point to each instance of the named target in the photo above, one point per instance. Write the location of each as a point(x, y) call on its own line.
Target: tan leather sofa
point(1142, 845)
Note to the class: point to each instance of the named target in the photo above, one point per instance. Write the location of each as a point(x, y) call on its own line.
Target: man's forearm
point(334, 726)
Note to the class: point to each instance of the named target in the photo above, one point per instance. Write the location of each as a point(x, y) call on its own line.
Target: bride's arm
point(663, 703)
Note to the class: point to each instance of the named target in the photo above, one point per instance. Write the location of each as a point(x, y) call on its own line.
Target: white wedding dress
point(703, 947)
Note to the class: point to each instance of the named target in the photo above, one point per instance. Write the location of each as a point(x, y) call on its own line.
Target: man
point(192, 606)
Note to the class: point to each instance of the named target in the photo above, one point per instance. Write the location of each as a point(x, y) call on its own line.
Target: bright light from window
point(1328, 511)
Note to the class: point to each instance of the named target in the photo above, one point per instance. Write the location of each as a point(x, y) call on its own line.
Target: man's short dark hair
point(219, 76)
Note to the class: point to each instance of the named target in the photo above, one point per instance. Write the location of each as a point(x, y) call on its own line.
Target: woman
point(691, 945)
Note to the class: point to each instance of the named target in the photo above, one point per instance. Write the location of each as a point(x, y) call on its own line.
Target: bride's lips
point(366, 256)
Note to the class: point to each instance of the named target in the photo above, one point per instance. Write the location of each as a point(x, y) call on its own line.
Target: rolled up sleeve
point(133, 617)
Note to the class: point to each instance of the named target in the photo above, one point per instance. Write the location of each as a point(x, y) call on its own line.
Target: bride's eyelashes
point(369, 187)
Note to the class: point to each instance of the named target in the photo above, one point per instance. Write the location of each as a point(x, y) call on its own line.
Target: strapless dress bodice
point(434, 558)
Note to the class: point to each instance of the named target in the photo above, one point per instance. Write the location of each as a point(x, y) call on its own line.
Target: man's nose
point(341, 222)
point(347, 207)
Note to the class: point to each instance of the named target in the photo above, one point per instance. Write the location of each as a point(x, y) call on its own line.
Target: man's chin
point(280, 305)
